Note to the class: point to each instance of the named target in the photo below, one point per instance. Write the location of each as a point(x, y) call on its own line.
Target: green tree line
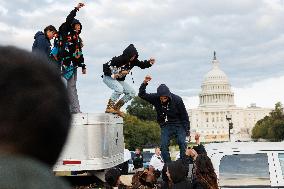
point(271, 127)
point(140, 126)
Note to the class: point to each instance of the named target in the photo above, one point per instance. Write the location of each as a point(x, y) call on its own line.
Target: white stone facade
point(216, 101)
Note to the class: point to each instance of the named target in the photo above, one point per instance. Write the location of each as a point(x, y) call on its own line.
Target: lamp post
point(229, 119)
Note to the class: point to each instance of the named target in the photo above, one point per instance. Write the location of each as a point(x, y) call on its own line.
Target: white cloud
point(3, 11)
point(264, 93)
point(181, 35)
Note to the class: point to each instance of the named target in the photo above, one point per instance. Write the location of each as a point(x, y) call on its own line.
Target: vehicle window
point(147, 156)
point(281, 159)
point(244, 170)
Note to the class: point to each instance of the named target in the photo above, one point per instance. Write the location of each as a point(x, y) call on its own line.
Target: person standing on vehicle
point(70, 55)
point(138, 160)
point(42, 43)
point(115, 72)
point(171, 115)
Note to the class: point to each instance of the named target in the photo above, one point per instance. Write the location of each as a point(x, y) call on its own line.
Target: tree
point(138, 133)
point(141, 109)
point(271, 127)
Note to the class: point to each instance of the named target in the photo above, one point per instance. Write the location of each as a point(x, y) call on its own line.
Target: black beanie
point(112, 176)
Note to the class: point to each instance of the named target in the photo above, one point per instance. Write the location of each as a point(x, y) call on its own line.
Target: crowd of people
point(194, 170)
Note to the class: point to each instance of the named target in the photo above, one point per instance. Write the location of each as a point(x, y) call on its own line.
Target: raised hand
point(124, 72)
point(84, 71)
point(80, 5)
point(152, 61)
point(147, 79)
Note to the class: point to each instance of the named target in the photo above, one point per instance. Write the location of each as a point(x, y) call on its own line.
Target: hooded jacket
point(178, 173)
point(70, 44)
point(173, 112)
point(138, 161)
point(123, 62)
point(41, 44)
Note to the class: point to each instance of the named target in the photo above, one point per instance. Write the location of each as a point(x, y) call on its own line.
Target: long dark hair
point(205, 173)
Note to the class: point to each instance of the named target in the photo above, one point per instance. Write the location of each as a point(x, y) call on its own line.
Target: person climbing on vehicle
point(70, 55)
point(115, 72)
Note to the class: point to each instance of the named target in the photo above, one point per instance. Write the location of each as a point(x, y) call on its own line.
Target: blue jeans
point(168, 131)
point(119, 88)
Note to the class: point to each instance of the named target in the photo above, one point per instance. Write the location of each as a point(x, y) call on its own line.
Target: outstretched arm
point(65, 27)
point(144, 64)
point(72, 14)
point(142, 91)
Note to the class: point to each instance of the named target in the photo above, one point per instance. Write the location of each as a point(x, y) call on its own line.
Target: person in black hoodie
point(70, 55)
point(115, 72)
point(171, 115)
point(42, 40)
point(177, 172)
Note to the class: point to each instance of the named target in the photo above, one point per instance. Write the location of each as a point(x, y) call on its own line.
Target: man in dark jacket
point(115, 72)
point(171, 115)
point(42, 40)
point(70, 55)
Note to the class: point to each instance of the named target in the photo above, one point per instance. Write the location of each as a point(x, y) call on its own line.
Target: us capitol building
point(217, 110)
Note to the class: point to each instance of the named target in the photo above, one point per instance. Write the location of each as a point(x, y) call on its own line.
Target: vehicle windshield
point(244, 170)
point(147, 156)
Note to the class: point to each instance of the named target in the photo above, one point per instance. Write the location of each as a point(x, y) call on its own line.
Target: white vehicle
point(248, 164)
point(95, 142)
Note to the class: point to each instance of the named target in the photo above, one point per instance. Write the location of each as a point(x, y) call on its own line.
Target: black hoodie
point(123, 62)
point(178, 174)
point(174, 112)
point(70, 44)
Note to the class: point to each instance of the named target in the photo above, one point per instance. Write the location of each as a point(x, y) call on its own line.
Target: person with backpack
point(115, 72)
point(42, 43)
point(70, 56)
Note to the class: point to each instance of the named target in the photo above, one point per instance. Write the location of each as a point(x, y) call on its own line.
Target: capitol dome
point(215, 74)
point(216, 89)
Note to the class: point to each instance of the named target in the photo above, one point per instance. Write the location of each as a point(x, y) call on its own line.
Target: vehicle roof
point(244, 146)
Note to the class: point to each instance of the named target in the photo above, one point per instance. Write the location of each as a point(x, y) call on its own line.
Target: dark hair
point(205, 173)
point(112, 176)
point(34, 107)
point(49, 28)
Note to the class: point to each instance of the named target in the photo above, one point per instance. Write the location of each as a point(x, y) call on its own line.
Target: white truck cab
point(248, 164)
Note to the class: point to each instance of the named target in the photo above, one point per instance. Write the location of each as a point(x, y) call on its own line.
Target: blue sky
point(182, 35)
